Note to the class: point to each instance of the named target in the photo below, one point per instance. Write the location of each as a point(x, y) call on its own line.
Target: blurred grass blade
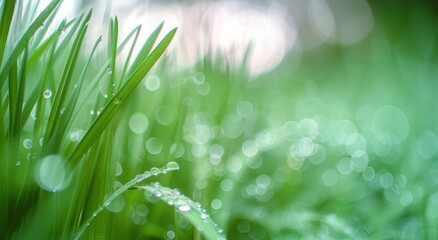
point(171, 166)
point(5, 23)
point(119, 99)
point(112, 52)
point(187, 208)
point(22, 43)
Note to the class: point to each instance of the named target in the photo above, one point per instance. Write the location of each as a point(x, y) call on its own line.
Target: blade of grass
point(64, 85)
point(92, 87)
point(112, 52)
point(119, 99)
point(66, 117)
point(145, 50)
point(22, 43)
point(171, 166)
point(5, 23)
point(187, 208)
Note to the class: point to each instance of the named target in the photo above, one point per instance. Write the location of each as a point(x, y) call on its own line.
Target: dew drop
point(184, 208)
point(172, 166)
point(17, 163)
point(109, 71)
point(27, 143)
point(47, 93)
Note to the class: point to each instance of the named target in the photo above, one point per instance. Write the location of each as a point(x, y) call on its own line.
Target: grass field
point(98, 141)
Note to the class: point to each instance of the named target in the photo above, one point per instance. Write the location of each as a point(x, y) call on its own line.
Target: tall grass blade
point(187, 208)
point(171, 166)
point(22, 43)
point(119, 99)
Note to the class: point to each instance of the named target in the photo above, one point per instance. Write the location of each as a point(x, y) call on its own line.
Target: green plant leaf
point(119, 99)
point(22, 43)
point(187, 208)
point(171, 166)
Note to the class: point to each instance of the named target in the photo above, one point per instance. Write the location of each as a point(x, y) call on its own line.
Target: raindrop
point(172, 166)
point(47, 93)
point(119, 169)
point(27, 143)
point(77, 135)
point(17, 163)
point(109, 71)
point(91, 112)
point(183, 207)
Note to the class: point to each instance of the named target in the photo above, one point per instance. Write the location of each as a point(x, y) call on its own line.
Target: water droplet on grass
point(27, 143)
point(47, 93)
point(109, 71)
point(172, 166)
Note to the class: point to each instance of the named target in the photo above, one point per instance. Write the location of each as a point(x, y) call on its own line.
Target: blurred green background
point(290, 120)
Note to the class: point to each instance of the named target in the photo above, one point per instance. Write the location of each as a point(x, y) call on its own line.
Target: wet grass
point(100, 142)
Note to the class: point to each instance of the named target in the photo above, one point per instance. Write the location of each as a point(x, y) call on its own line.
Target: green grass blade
point(92, 87)
point(64, 85)
point(128, 57)
point(112, 52)
point(119, 99)
point(171, 166)
point(72, 102)
point(39, 51)
point(22, 43)
point(145, 50)
point(5, 23)
point(187, 208)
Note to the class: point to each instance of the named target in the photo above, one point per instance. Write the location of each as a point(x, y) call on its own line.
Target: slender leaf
point(21, 44)
point(64, 85)
point(119, 99)
point(5, 23)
